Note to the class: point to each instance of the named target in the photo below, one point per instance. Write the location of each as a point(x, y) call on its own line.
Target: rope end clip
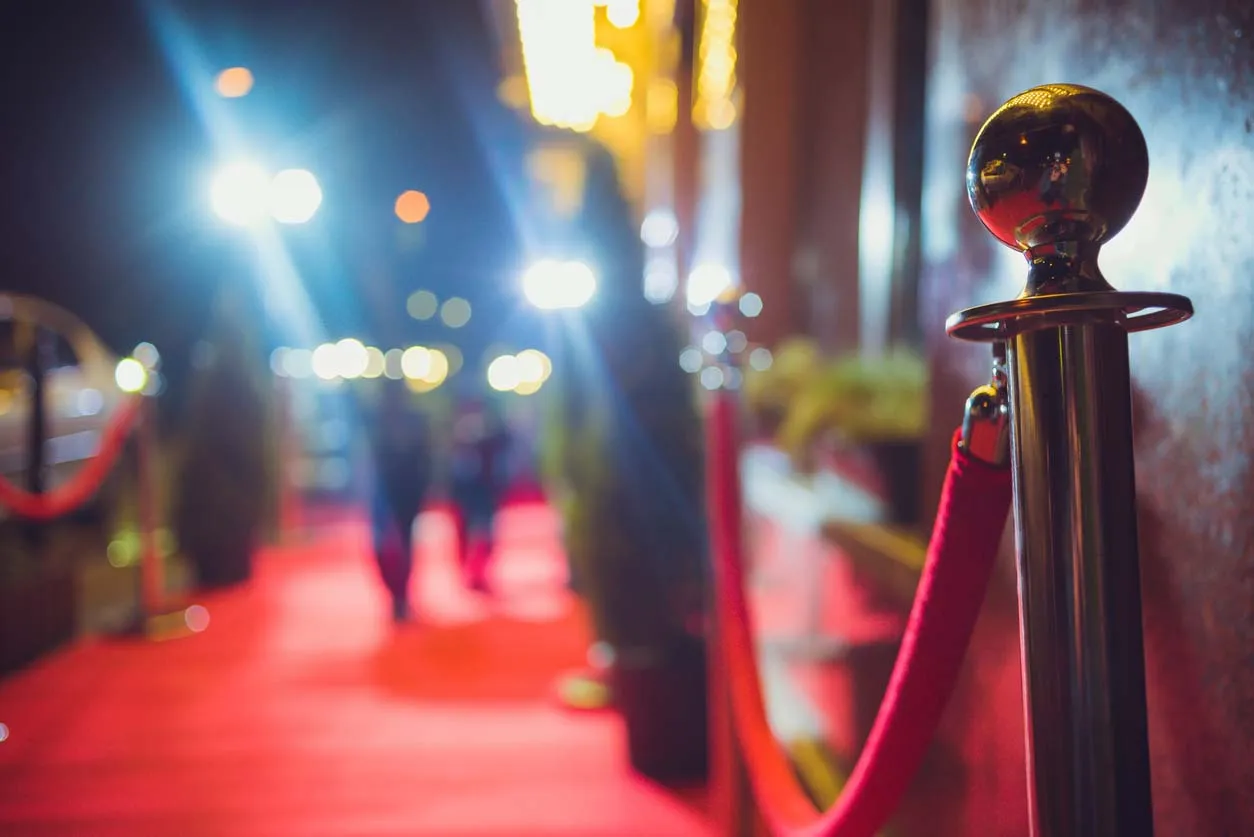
point(986, 421)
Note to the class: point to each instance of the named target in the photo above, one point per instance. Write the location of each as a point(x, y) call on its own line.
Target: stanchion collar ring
point(1135, 311)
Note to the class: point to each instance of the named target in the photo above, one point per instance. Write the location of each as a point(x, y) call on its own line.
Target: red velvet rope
point(87, 481)
point(972, 514)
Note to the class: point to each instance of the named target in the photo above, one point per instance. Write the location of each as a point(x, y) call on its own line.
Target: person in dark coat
point(478, 480)
point(401, 477)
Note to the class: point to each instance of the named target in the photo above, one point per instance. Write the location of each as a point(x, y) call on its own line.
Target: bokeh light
point(416, 362)
point(351, 358)
point(454, 356)
point(523, 374)
point(503, 373)
point(412, 207)
point(711, 377)
point(751, 304)
point(660, 228)
point(196, 618)
point(714, 342)
point(298, 363)
point(422, 305)
point(294, 196)
point(130, 375)
point(147, 354)
point(455, 312)
point(374, 363)
point(326, 362)
point(551, 285)
point(437, 367)
point(234, 82)
point(534, 366)
point(706, 283)
point(622, 14)
point(661, 279)
point(240, 193)
point(393, 364)
point(691, 360)
point(424, 368)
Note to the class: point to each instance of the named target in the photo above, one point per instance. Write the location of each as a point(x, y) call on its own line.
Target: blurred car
point(81, 393)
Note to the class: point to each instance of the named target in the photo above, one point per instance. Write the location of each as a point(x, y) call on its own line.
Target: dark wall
point(1185, 69)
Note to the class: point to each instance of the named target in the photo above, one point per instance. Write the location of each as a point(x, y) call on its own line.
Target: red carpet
point(301, 711)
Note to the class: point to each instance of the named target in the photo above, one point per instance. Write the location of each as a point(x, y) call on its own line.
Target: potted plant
point(220, 498)
point(630, 459)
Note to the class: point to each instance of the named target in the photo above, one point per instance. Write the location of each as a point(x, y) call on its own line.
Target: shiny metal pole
point(1056, 172)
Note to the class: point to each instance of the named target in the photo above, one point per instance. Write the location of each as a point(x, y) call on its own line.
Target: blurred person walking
point(401, 477)
point(479, 478)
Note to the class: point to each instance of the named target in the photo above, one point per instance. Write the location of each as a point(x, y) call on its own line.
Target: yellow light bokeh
point(512, 92)
point(419, 386)
point(571, 82)
point(416, 362)
point(502, 373)
point(528, 387)
point(714, 108)
point(533, 366)
point(374, 363)
point(130, 375)
point(522, 374)
point(234, 83)
point(662, 106)
point(438, 367)
point(412, 207)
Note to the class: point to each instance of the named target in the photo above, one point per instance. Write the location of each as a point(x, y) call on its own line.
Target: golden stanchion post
point(152, 563)
point(1055, 173)
point(158, 617)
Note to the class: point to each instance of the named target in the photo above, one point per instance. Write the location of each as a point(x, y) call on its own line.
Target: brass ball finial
point(1056, 166)
point(1055, 173)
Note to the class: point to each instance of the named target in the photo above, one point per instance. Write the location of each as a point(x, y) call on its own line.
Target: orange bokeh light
point(412, 206)
point(234, 83)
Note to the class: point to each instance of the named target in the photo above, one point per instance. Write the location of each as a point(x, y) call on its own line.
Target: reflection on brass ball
point(1056, 164)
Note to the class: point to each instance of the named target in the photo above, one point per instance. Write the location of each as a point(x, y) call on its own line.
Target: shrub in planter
point(222, 487)
point(630, 471)
point(631, 464)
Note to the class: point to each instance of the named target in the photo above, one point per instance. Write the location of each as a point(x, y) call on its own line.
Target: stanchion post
point(735, 811)
point(151, 568)
point(1056, 172)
